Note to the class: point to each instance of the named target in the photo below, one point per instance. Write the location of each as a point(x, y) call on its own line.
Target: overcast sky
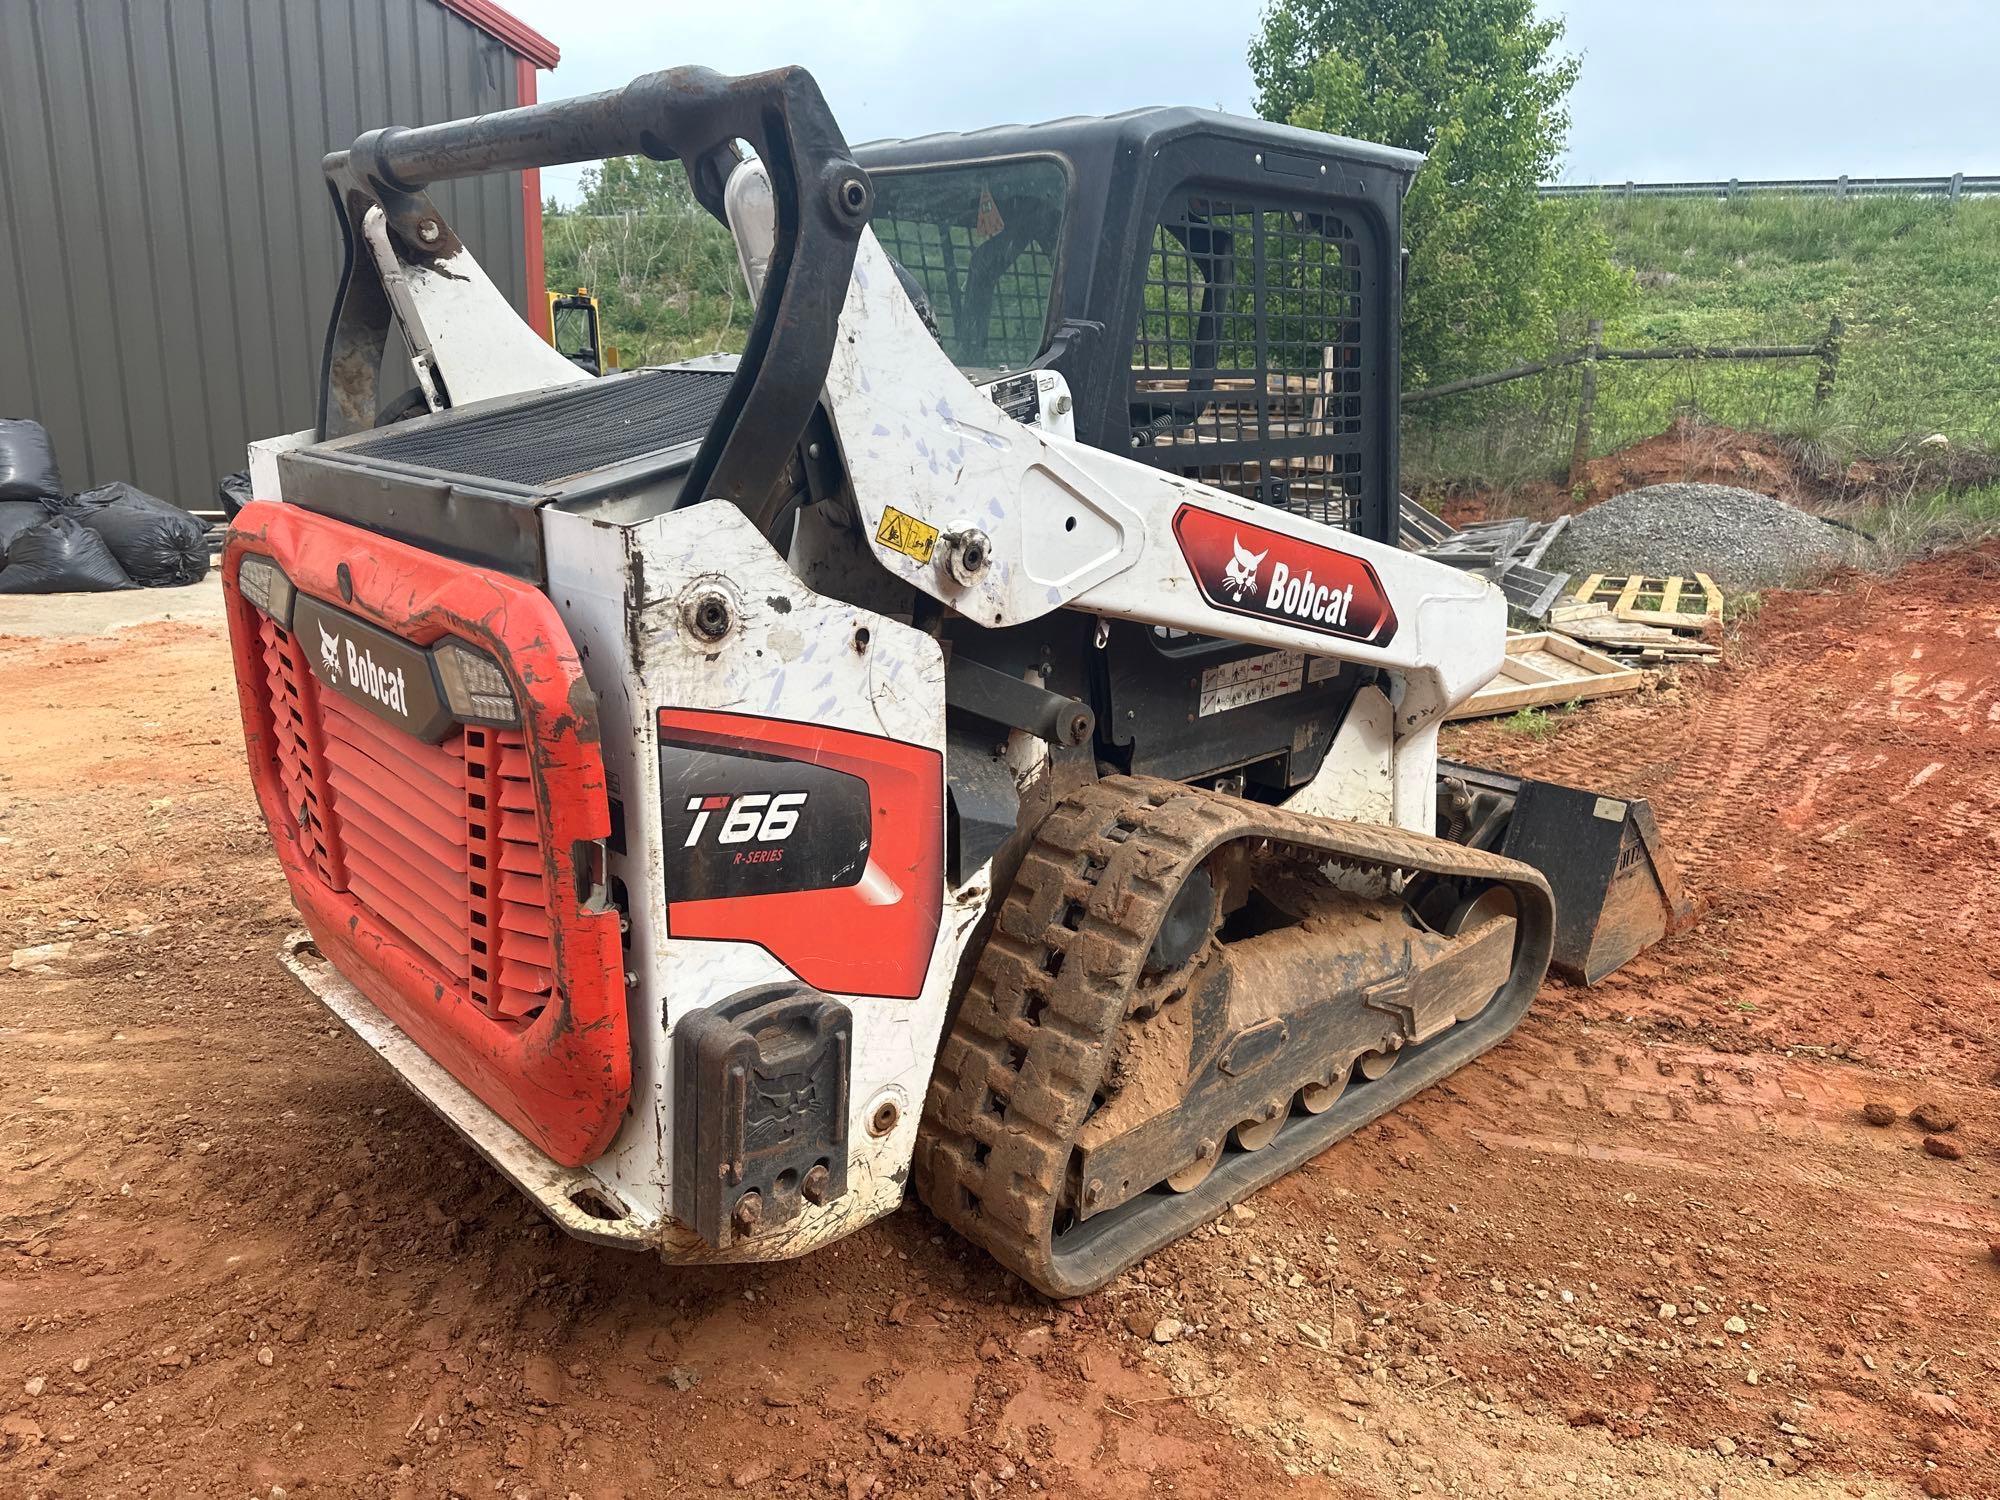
point(1670, 88)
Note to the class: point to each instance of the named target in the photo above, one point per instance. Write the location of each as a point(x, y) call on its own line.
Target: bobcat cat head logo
point(329, 652)
point(1239, 575)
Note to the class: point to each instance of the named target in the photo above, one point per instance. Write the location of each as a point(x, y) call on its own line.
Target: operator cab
point(1221, 298)
point(1220, 294)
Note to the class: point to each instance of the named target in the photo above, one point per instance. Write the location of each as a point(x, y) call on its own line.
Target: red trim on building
point(517, 34)
point(535, 278)
point(531, 50)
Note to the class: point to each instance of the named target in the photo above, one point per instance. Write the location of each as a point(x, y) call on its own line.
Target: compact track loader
point(957, 742)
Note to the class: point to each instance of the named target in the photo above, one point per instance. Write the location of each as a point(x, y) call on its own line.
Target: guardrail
point(1957, 185)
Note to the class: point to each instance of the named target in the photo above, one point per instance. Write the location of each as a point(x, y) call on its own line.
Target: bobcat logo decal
point(1283, 578)
point(329, 652)
point(1239, 576)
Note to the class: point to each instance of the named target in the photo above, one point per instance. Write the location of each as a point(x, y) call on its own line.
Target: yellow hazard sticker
point(906, 534)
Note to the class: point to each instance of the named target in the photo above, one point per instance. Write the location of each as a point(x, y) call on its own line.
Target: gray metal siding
point(167, 245)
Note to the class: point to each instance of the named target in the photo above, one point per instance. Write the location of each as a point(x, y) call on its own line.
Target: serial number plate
point(1236, 684)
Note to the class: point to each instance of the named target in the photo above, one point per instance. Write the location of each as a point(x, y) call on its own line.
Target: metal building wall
point(167, 243)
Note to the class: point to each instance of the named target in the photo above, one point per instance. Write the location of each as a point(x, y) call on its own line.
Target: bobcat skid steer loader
point(733, 792)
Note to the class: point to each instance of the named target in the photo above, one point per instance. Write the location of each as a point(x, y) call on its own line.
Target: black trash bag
point(234, 492)
point(16, 516)
point(27, 461)
point(158, 544)
point(61, 556)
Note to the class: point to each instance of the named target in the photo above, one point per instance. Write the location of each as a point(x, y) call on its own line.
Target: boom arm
point(1006, 523)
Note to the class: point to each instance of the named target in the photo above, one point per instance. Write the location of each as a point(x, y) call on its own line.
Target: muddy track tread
point(1030, 1044)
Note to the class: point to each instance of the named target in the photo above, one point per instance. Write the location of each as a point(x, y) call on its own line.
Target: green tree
point(664, 271)
point(1480, 87)
point(636, 184)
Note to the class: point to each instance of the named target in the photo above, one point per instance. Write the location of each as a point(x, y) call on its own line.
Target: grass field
point(1916, 283)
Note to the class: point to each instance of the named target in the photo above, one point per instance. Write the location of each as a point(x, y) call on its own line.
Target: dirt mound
point(1696, 452)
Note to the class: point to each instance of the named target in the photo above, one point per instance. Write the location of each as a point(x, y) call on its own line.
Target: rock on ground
point(1741, 539)
point(1934, 1118)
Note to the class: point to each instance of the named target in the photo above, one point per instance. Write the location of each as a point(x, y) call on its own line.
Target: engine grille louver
point(297, 745)
point(441, 843)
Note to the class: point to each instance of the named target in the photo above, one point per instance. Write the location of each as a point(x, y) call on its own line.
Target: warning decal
point(990, 223)
point(906, 534)
point(1237, 684)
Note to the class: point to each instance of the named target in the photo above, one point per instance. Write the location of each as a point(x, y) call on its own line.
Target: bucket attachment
point(1617, 890)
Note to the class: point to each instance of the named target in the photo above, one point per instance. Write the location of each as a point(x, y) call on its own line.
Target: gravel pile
point(1741, 539)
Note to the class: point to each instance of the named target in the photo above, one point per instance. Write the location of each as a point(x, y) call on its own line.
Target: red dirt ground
point(236, 1257)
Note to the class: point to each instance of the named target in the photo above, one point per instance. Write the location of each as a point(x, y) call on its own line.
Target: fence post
point(1586, 398)
point(1840, 190)
point(1957, 185)
point(1829, 361)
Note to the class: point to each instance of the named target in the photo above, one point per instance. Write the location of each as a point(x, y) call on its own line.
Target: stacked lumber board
point(1650, 645)
point(1601, 641)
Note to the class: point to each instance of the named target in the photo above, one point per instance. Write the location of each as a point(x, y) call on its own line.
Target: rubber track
point(1031, 1041)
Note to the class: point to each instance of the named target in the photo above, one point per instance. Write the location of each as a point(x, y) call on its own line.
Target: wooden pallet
point(1655, 601)
point(1595, 625)
point(1544, 669)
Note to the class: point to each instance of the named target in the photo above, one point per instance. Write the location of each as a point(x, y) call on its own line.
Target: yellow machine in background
point(573, 331)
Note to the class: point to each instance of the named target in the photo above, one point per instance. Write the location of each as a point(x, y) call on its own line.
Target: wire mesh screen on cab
point(1249, 363)
point(981, 240)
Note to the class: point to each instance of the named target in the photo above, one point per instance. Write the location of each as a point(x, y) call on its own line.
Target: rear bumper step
point(561, 1192)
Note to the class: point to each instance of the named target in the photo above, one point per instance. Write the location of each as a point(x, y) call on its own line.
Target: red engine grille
point(439, 843)
point(451, 884)
point(297, 745)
